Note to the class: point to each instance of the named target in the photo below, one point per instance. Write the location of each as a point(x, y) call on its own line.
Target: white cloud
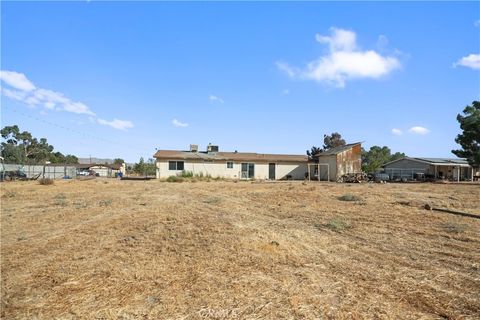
point(477, 23)
point(397, 132)
point(23, 90)
point(345, 61)
point(177, 123)
point(418, 130)
point(14, 94)
point(215, 98)
point(16, 80)
point(116, 124)
point(286, 92)
point(340, 40)
point(470, 61)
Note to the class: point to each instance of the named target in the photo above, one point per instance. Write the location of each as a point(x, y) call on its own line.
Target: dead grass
point(225, 250)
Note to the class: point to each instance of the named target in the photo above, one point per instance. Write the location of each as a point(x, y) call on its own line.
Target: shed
point(103, 170)
point(336, 162)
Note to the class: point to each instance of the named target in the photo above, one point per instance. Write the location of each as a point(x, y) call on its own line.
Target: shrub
point(45, 181)
point(105, 203)
point(174, 179)
point(212, 200)
point(60, 200)
point(187, 174)
point(349, 197)
point(337, 225)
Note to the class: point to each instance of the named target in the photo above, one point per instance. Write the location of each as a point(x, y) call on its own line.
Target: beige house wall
point(219, 169)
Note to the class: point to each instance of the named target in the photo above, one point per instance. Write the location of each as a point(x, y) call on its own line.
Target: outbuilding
point(332, 164)
point(103, 170)
point(412, 168)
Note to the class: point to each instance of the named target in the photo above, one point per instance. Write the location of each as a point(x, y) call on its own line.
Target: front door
point(271, 171)
point(248, 171)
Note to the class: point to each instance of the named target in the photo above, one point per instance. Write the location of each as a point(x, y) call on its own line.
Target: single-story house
point(409, 168)
point(336, 162)
point(231, 165)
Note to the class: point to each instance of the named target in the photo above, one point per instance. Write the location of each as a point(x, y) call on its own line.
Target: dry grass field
point(107, 249)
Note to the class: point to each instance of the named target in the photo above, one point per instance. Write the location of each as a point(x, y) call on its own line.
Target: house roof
point(228, 156)
point(337, 150)
point(435, 161)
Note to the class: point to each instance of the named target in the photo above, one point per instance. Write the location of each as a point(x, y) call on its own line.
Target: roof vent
point(194, 148)
point(212, 148)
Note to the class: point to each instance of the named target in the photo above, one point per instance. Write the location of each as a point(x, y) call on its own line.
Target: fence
point(45, 171)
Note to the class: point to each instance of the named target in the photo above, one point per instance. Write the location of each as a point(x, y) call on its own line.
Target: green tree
point(377, 156)
point(329, 142)
point(140, 166)
point(145, 168)
point(118, 161)
point(312, 152)
point(22, 147)
point(58, 157)
point(469, 139)
point(332, 141)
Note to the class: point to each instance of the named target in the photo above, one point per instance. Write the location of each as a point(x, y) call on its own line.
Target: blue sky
point(126, 78)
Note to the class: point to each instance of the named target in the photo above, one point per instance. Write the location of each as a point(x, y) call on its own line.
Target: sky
point(122, 79)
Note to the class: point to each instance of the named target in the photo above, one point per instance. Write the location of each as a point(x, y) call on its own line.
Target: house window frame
point(176, 165)
point(229, 164)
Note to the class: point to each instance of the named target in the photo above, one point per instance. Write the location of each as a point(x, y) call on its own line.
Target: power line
point(87, 135)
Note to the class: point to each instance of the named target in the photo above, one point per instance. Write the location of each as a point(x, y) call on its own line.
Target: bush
point(349, 197)
point(105, 203)
point(45, 181)
point(174, 179)
point(187, 174)
point(60, 200)
point(212, 200)
point(337, 225)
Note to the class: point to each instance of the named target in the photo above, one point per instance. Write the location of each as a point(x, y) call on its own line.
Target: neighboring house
point(456, 169)
point(231, 165)
point(336, 162)
point(103, 170)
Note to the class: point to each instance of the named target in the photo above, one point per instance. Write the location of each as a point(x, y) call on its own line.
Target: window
point(175, 165)
point(248, 170)
point(229, 165)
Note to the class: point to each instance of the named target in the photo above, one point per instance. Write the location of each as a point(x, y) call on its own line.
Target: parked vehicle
point(378, 177)
point(88, 173)
point(14, 175)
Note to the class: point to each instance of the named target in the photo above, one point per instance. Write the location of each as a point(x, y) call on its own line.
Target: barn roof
point(337, 150)
point(228, 156)
point(435, 161)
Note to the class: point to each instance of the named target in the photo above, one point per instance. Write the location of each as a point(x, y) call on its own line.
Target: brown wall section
point(349, 161)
